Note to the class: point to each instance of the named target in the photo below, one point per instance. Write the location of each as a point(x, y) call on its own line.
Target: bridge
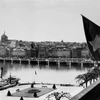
point(51, 61)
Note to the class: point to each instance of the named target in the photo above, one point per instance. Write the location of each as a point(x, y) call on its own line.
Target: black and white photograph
point(49, 50)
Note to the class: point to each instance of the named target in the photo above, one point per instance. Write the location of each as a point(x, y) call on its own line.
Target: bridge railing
point(51, 59)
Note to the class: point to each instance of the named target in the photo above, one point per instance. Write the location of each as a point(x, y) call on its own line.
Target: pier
point(51, 61)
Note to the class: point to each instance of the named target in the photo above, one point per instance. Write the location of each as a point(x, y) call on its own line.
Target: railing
point(92, 92)
point(51, 59)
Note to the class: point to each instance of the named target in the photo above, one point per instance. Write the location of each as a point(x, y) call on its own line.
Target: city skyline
point(47, 20)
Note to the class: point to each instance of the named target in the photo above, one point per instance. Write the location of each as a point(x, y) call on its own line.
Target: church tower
point(4, 38)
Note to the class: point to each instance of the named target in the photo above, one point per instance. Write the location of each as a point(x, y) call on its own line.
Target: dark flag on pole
point(92, 33)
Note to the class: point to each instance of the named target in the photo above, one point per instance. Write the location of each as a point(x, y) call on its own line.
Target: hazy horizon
point(47, 20)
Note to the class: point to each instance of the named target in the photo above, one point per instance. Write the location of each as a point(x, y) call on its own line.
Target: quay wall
point(92, 92)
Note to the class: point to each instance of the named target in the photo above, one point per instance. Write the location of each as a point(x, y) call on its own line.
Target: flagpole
point(34, 79)
point(34, 76)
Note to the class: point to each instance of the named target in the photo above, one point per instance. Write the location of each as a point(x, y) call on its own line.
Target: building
point(33, 52)
point(4, 38)
point(64, 53)
point(61, 46)
point(18, 52)
point(76, 53)
point(52, 52)
point(85, 53)
point(3, 51)
point(42, 52)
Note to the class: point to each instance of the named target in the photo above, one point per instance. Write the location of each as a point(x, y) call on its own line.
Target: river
point(43, 73)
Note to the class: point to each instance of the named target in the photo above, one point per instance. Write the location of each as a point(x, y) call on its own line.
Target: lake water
point(43, 73)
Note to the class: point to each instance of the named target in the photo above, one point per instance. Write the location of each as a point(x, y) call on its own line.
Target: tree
point(83, 79)
point(54, 86)
point(21, 98)
point(58, 95)
point(9, 93)
point(92, 75)
point(35, 94)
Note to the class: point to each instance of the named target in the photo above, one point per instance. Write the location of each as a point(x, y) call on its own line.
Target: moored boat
point(12, 80)
point(8, 82)
point(3, 82)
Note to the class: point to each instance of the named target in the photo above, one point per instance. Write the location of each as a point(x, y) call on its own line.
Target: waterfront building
point(42, 52)
point(33, 52)
point(64, 53)
point(18, 52)
point(85, 53)
point(76, 53)
point(52, 52)
point(56, 53)
point(3, 51)
point(27, 52)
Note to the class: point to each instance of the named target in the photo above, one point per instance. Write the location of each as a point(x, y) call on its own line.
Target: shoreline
point(45, 84)
point(28, 83)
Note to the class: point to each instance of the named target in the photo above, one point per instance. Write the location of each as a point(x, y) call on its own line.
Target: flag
point(92, 33)
point(35, 73)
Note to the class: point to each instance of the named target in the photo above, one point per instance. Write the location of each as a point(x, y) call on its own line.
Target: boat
point(7, 86)
point(12, 80)
point(8, 82)
point(3, 82)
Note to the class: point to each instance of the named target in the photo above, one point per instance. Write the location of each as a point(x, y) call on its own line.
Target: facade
point(49, 52)
point(33, 52)
point(56, 53)
point(63, 53)
point(61, 47)
point(3, 51)
point(42, 52)
point(27, 53)
point(18, 52)
point(76, 53)
point(85, 53)
point(52, 53)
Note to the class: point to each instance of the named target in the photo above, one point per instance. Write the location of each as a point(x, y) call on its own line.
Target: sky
point(47, 20)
